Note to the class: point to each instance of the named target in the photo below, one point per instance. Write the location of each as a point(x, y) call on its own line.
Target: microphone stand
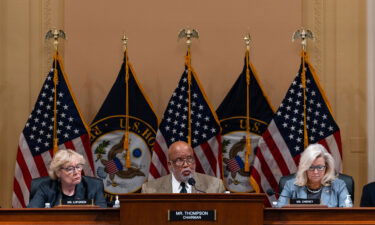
point(192, 182)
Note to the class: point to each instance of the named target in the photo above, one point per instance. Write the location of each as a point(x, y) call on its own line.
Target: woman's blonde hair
point(62, 157)
point(311, 153)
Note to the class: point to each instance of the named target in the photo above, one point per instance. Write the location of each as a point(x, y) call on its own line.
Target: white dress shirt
point(176, 186)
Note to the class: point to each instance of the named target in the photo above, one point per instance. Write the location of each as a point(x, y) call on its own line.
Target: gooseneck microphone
point(271, 192)
point(192, 182)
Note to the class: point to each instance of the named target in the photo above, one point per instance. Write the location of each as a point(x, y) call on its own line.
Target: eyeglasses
point(180, 161)
point(71, 169)
point(319, 168)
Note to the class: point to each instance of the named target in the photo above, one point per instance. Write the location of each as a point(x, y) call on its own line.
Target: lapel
point(302, 193)
point(166, 180)
point(196, 183)
point(326, 195)
point(57, 195)
point(199, 183)
point(80, 191)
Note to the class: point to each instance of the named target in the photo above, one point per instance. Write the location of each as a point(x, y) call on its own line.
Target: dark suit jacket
point(204, 183)
point(368, 195)
point(50, 191)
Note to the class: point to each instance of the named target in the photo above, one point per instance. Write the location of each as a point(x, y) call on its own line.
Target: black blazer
point(368, 195)
point(50, 191)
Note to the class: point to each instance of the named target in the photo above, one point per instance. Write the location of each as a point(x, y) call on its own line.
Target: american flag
point(235, 164)
point(206, 139)
point(281, 145)
point(114, 166)
point(35, 148)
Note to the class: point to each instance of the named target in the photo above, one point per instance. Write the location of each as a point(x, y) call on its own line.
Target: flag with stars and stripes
point(35, 148)
point(205, 129)
point(281, 145)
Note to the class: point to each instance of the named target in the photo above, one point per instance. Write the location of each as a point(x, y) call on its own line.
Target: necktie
point(183, 187)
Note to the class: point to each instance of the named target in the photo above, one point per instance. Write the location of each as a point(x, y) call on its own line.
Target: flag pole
point(55, 34)
point(126, 132)
point(304, 34)
point(188, 34)
point(303, 81)
point(188, 59)
point(247, 39)
point(55, 81)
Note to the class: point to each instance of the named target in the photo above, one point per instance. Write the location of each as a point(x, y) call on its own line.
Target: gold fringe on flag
point(248, 140)
point(55, 34)
point(304, 35)
point(188, 63)
point(303, 81)
point(126, 131)
point(55, 82)
point(188, 34)
point(126, 135)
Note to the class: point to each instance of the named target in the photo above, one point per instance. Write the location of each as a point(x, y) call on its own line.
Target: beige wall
point(339, 55)
point(24, 61)
point(92, 56)
point(93, 51)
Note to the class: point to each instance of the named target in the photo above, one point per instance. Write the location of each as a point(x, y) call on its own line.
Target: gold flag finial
point(188, 34)
point(303, 34)
point(124, 42)
point(55, 34)
point(247, 40)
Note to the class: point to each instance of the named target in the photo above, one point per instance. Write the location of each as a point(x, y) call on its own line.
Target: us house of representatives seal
point(110, 157)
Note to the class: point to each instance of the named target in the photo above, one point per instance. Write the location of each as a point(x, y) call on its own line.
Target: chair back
point(346, 178)
point(349, 183)
point(35, 183)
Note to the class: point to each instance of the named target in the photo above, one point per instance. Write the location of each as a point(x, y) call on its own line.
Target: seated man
point(181, 164)
point(368, 195)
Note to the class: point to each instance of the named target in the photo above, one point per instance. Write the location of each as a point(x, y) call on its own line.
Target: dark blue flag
point(120, 175)
point(232, 114)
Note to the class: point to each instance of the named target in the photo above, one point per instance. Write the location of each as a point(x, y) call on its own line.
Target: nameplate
point(299, 201)
point(76, 202)
point(191, 215)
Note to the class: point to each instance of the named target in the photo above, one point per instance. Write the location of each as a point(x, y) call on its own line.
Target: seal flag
point(126, 115)
point(246, 97)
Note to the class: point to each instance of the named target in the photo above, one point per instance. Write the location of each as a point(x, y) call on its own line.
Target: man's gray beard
point(182, 177)
point(186, 178)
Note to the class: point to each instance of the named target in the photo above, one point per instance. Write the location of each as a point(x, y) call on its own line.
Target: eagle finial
point(304, 34)
point(55, 34)
point(188, 34)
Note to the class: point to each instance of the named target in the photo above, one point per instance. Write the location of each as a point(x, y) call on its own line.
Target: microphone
point(271, 192)
point(192, 182)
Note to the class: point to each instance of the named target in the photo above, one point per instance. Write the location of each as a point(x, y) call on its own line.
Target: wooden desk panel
point(145, 209)
point(288, 216)
point(60, 216)
point(347, 216)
